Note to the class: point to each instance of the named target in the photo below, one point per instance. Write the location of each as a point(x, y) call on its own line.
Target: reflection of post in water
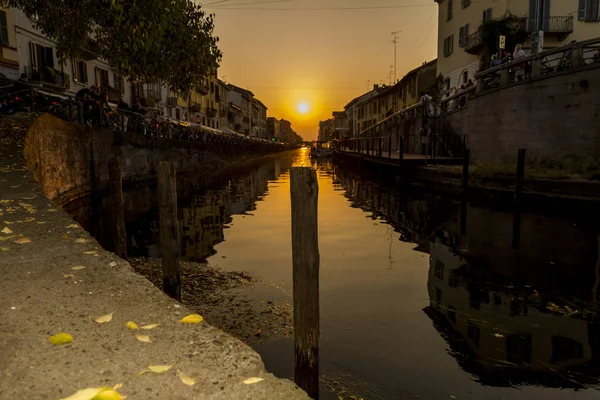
point(516, 241)
point(169, 229)
point(465, 190)
point(305, 252)
point(119, 235)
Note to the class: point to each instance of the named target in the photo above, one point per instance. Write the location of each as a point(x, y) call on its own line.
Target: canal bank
point(57, 278)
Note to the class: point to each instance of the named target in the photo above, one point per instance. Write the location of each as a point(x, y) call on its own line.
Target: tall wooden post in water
point(117, 207)
point(169, 229)
point(305, 253)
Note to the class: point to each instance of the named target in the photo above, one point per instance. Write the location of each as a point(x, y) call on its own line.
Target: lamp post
point(395, 41)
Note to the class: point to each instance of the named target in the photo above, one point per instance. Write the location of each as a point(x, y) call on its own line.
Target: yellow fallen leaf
point(73, 226)
point(4, 248)
point(131, 325)
point(22, 241)
point(68, 276)
point(80, 240)
point(8, 222)
point(186, 379)
point(143, 338)
point(251, 381)
point(6, 231)
point(40, 223)
point(159, 369)
point(151, 326)
point(29, 219)
point(84, 394)
point(192, 319)
point(64, 237)
point(61, 338)
point(29, 198)
point(78, 268)
point(105, 318)
point(5, 238)
point(89, 252)
point(52, 210)
point(101, 393)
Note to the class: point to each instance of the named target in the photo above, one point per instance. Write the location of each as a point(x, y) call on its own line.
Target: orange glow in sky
point(305, 59)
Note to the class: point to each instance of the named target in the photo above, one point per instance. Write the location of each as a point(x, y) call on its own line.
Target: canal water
point(422, 296)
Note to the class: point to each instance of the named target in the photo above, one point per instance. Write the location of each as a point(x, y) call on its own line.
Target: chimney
point(375, 87)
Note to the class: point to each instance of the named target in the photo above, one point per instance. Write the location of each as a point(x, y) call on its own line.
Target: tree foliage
point(170, 41)
point(511, 26)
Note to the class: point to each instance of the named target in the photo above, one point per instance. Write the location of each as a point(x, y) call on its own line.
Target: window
point(41, 58)
point(519, 348)
point(80, 72)
point(473, 332)
point(449, 10)
point(453, 279)
point(101, 77)
point(3, 29)
point(439, 270)
point(177, 114)
point(465, 77)
point(452, 314)
point(119, 84)
point(588, 10)
point(487, 15)
point(465, 3)
point(463, 32)
point(564, 348)
point(438, 297)
point(448, 45)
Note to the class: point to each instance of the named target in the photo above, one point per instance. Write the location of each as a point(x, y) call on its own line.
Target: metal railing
point(559, 25)
point(471, 41)
point(96, 115)
point(465, 3)
point(562, 59)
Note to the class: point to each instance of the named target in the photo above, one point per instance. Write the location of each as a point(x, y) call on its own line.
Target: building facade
point(273, 129)
point(459, 37)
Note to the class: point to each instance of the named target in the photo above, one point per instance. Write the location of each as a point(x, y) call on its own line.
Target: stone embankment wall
point(71, 161)
point(551, 117)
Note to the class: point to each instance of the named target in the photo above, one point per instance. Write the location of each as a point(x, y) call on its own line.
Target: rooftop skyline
point(305, 59)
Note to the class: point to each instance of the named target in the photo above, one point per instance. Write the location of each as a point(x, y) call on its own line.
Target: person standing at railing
point(519, 70)
point(84, 97)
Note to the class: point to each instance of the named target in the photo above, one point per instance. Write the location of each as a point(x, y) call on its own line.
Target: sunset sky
point(292, 57)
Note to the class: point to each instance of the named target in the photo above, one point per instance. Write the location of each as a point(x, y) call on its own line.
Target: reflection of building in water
point(207, 215)
point(506, 328)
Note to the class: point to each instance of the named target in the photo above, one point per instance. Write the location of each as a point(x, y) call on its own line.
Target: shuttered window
point(448, 45)
point(80, 72)
point(588, 10)
point(3, 29)
point(462, 35)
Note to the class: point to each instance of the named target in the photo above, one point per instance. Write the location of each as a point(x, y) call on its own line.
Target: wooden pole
point(169, 229)
point(516, 242)
point(117, 207)
point(305, 252)
point(465, 173)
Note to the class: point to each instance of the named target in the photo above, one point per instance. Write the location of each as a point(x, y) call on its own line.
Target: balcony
point(211, 112)
point(473, 43)
point(171, 101)
point(47, 75)
point(465, 3)
point(202, 89)
point(555, 26)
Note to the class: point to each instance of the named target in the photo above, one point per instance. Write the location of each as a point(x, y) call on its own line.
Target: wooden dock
point(397, 159)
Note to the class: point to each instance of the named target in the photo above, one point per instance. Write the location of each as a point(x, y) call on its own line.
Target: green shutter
point(3, 28)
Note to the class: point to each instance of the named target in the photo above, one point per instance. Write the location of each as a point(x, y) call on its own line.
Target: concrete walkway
point(42, 295)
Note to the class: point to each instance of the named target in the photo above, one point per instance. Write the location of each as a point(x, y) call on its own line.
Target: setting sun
point(303, 108)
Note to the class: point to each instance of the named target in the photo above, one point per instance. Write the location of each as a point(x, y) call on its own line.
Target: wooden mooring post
point(516, 240)
point(305, 252)
point(117, 207)
point(169, 229)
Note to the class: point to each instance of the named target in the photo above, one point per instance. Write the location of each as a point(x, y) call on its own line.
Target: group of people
point(91, 104)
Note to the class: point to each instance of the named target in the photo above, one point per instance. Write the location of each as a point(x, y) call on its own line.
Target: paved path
point(41, 295)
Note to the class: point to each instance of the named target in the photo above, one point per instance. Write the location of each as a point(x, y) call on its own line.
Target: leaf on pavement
point(6, 231)
point(4, 248)
point(251, 381)
point(68, 276)
point(29, 219)
point(5, 238)
point(78, 268)
point(105, 318)
point(61, 338)
point(192, 319)
point(131, 325)
point(80, 240)
point(186, 379)
point(73, 226)
point(157, 369)
point(22, 241)
point(89, 252)
point(151, 326)
point(84, 394)
point(143, 338)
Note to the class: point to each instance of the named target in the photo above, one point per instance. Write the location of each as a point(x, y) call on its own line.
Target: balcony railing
point(211, 112)
point(171, 101)
point(553, 26)
point(465, 3)
point(472, 43)
point(48, 75)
